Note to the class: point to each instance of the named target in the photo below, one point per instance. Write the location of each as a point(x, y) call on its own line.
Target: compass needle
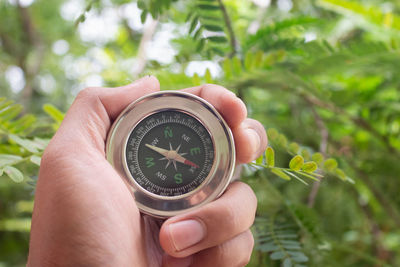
point(174, 162)
point(166, 166)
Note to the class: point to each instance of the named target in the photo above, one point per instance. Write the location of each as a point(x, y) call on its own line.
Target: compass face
point(169, 153)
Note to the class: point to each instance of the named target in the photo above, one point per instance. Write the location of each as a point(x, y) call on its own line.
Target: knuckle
point(229, 213)
point(212, 87)
point(88, 93)
point(208, 85)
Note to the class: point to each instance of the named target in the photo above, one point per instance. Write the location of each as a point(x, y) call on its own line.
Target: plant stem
point(148, 33)
point(322, 148)
point(228, 23)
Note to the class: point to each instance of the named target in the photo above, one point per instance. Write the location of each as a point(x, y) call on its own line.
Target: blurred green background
point(323, 76)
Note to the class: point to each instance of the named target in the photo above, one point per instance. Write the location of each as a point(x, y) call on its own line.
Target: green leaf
point(258, 59)
point(282, 140)
point(296, 177)
point(6, 159)
point(25, 143)
point(201, 44)
point(281, 174)
point(196, 35)
point(208, 7)
point(339, 173)
point(296, 163)
point(214, 18)
point(312, 176)
point(23, 123)
point(236, 65)
point(193, 24)
point(35, 159)
point(208, 76)
point(270, 157)
point(278, 255)
point(15, 174)
point(10, 112)
point(143, 16)
point(196, 79)
point(330, 164)
point(268, 247)
point(189, 16)
point(287, 263)
point(294, 147)
point(259, 160)
point(310, 166)
point(80, 19)
point(248, 60)
point(227, 66)
point(217, 39)
point(40, 143)
point(298, 256)
point(15, 225)
point(305, 153)
point(290, 242)
point(217, 51)
point(213, 28)
point(272, 133)
point(291, 247)
point(53, 112)
point(318, 158)
point(141, 4)
point(4, 105)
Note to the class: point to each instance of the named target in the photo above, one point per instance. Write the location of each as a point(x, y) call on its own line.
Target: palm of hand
point(84, 213)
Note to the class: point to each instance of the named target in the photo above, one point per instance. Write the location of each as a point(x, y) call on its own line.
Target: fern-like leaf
point(280, 239)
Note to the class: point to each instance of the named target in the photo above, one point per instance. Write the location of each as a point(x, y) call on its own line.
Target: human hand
point(84, 213)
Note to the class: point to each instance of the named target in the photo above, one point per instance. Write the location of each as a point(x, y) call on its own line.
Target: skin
point(85, 215)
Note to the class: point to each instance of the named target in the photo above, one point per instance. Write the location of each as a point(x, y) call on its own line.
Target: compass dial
point(174, 150)
point(169, 153)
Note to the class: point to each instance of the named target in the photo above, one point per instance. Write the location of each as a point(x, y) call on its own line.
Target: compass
point(174, 150)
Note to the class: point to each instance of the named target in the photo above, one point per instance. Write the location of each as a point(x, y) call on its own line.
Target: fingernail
point(185, 234)
point(254, 140)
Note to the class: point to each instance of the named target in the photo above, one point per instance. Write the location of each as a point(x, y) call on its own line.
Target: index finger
point(226, 102)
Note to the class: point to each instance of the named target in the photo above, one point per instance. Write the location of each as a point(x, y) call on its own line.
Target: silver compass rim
point(224, 151)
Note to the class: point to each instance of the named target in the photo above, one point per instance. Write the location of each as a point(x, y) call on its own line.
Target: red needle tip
point(188, 162)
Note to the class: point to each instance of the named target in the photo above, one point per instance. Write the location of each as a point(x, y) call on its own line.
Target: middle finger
point(212, 224)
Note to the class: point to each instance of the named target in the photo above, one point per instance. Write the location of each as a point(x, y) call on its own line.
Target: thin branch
point(34, 41)
point(148, 32)
point(27, 25)
point(322, 149)
point(356, 120)
point(7, 45)
point(232, 38)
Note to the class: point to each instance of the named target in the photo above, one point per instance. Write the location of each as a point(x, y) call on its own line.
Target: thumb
point(91, 114)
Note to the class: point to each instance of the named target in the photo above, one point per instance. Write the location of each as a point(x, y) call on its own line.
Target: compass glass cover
point(169, 153)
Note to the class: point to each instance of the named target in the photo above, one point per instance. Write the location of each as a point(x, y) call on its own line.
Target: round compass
point(175, 151)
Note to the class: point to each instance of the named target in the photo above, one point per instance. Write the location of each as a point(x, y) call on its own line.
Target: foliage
point(322, 76)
